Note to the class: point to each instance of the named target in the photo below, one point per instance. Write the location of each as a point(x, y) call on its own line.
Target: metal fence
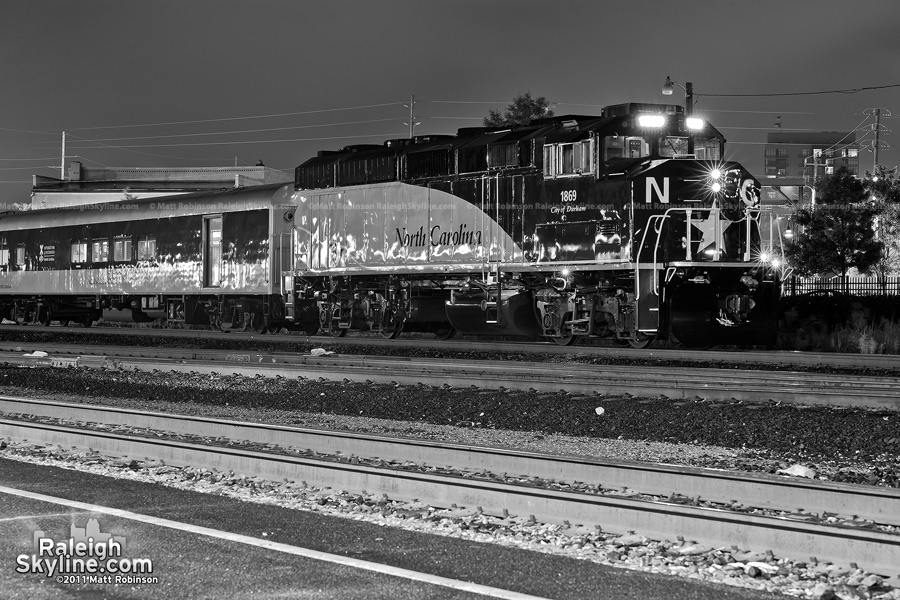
point(855, 286)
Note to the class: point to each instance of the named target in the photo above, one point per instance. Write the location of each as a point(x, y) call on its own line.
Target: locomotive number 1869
point(568, 195)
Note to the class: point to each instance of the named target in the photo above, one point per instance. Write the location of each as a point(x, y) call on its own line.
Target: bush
point(835, 322)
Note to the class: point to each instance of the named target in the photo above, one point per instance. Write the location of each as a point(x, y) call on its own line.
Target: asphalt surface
point(189, 564)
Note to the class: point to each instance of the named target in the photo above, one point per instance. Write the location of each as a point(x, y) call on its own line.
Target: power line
point(268, 129)
point(845, 91)
point(313, 139)
point(767, 128)
point(761, 112)
point(466, 101)
point(112, 147)
point(28, 131)
point(27, 168)
point(453, 118)
point(21, 159)
point(290, 114)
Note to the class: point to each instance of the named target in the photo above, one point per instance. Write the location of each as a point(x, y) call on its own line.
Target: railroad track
point(793, 518)
point(780, 358)
point(683, 382)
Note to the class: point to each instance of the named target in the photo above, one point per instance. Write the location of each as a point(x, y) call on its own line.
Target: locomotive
point(628, 226)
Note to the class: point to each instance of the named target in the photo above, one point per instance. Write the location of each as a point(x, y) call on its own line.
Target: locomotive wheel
point(87, 321)
point(391, 326)
point(445, 333)
point(259, 324)
point(642, 341)
point(310, 328)
point(566, 340)
point(326, 323)
point(44, 317)
point(273, 328)
point(392, 333)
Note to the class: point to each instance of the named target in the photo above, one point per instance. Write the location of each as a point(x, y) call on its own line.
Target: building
point(810, 155)
point(89, 186)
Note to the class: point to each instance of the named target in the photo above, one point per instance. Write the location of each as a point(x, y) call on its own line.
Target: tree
point(884, 186)
point(841, 188)
point(837, 233)
point(521, 111)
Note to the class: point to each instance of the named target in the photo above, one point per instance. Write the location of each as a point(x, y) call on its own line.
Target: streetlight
point(667, 89)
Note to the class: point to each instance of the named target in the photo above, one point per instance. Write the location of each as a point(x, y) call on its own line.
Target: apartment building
point(810, 155)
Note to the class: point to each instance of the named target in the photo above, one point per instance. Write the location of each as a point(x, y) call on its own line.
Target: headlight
point(715, 181)
point(694, 123)
point(651, 120)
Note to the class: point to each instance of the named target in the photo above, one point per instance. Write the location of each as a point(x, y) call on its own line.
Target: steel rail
point(730, 357)
point(878, 504)
point(875, 551)
point(685, 382)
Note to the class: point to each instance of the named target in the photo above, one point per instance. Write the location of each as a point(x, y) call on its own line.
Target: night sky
point(182, 83)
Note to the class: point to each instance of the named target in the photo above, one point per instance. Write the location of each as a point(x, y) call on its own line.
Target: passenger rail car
point(203, 258)
point(628, 226)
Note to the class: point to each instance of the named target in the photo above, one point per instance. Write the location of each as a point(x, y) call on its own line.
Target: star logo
point(712, 229)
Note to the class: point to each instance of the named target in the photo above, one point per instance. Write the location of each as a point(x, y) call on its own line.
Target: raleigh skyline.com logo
point(87, 556)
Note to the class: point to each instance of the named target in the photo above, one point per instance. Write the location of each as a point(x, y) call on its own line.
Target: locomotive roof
point(369, 163)
point(557, 129)
point(484, 139)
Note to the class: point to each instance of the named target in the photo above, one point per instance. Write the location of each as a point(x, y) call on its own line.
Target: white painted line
point(27, 517)
point(355, 563)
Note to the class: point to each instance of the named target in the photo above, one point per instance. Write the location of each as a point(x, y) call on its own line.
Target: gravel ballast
point(859, 446)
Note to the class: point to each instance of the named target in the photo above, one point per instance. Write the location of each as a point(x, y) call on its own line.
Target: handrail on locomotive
point(769, 248)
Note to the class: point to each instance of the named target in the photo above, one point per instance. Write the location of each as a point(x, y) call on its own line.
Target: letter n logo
point(662, 195)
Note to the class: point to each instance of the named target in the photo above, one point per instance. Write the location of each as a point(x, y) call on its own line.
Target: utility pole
point(412, 116)
point(689, 112)
point(877, 127)
point(62, 162)
point(688, 99)
point(879, 114)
